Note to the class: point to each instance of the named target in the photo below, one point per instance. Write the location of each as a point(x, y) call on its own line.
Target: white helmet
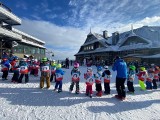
point(105, 67)
point(35, 60)
point(89, 69)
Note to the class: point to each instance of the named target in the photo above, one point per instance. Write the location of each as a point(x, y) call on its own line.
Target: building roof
point(25, 34)
point(149, 35)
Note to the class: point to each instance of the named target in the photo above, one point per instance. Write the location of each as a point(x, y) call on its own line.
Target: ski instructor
point(121, 67)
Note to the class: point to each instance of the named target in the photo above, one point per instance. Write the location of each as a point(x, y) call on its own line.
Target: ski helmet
point(44, 59)
point(142, 68)
point(132, 67)
point(89, 69)
point(58, 66)
point(99, 68)
point(105, 67)
point(76, 65)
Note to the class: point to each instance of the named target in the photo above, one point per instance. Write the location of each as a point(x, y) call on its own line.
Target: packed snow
point(29, 102)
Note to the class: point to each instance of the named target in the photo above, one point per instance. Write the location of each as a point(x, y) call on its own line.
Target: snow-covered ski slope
point(28, 102)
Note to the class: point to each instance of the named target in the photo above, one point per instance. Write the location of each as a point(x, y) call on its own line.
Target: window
point(33, 51)
point(92, 47)
point(38, 51)
point(42, 51)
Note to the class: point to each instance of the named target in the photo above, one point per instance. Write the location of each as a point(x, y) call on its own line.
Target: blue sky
point(64, 24)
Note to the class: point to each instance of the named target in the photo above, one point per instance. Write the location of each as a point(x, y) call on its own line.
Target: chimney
point(105, 34)
point(115, 38)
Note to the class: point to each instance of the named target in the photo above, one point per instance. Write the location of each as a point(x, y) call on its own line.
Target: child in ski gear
point(45, 73)
point(59, 77)
point(53, 70)
point(142, 75)
point(75, 73)
point(107, 77)
point(23, 71)
point(149, 79)
point(88, 76)
point(15, 69)
point(98, 78)
point(5, 68)
point(131, 77)
point(35, 67)
point(155, 76)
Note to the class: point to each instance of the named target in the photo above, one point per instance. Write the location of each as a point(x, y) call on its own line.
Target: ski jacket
point(107, 76)
point(5, 65)
point(89, 78)
point(75, 75)
point(121, 67)
point(142, 75)
point(131, 75)
point(59, 74)
point(98, 77)
point(156, 74)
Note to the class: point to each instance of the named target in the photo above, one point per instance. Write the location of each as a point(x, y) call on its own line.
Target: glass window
point(33, 51)
point(42, 51)
point(38, 51)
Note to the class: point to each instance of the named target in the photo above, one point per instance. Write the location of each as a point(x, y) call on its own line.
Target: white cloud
point(64, 41)
point(21, 5)
point(112, 16)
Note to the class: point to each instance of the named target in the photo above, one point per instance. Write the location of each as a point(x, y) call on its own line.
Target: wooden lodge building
point(142, 44)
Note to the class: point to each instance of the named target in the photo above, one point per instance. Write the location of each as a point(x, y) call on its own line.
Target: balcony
point(9, 35)
point(8, 17)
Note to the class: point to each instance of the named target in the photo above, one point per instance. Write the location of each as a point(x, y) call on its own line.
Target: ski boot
point(59, 91)
point(77, 92)
point(90, 96)
point(99, 94)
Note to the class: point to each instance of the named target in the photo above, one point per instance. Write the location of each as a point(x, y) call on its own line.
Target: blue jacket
point(59, 71)
point(6, 63)
point(121, 67)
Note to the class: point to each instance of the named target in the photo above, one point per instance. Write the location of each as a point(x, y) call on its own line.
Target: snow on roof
point(150, 34)
point(98, 38)
point(152, 56)
point(25, 34)
point(143, 56)
point(32, 43)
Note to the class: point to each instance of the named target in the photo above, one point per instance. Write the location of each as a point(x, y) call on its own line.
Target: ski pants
point(21, 77)
point(53, 76)
point(89, 89)
point(130, 86)
point(142, 85)
point(98, 87)
point(47, 78)
point(148, 85)
point(72, 85)
point(5, 74)
point(120, 87)
point(107, 88)
point(15, 76)
point(58, 85)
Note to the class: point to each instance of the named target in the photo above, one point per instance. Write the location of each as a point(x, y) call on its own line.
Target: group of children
point(148, 79)
point(90, 79)
point(19, 69)
point(57, 74)
point(51, 71)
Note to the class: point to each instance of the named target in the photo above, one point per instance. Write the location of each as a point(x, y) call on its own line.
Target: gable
point(134, 40)
point(90, 38)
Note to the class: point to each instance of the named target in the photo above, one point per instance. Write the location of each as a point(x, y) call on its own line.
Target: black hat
point(117, 57)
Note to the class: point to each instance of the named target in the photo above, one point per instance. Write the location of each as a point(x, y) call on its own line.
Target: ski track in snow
point(28, 102)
